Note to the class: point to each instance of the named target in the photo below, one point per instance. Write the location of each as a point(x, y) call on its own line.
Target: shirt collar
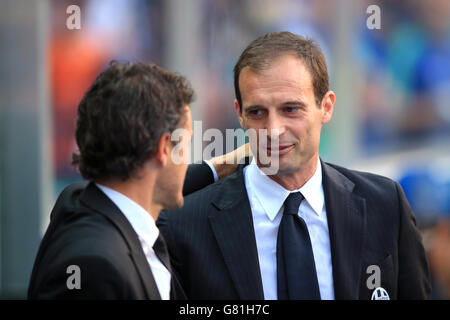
point(272, 195)
point(141, 220)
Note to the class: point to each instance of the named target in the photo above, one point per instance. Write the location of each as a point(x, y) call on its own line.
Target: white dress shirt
point(147, 231)
point(266, 201)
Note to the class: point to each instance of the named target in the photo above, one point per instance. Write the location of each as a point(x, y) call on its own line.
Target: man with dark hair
point(312, 230)
point(102, 242)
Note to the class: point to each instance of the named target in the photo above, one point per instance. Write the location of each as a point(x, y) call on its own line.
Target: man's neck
point(138, 190)
point(296, 180)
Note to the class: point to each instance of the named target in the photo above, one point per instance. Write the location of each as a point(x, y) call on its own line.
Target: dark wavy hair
point(123, 115)
point(261, 51)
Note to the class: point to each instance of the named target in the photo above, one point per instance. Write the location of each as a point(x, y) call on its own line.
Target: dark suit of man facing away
point(84, 216)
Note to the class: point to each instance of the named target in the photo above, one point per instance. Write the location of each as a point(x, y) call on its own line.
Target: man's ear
point(164, 150)
point(327, 105)
point(239, 113)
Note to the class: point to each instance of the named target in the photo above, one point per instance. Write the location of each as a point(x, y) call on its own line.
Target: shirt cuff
point(216, 177)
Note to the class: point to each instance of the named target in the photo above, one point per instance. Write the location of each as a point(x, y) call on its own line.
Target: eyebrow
point(286, 103)
point(253, 106)
point(293, 103)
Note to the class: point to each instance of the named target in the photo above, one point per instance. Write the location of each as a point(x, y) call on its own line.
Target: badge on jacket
point(380, 294)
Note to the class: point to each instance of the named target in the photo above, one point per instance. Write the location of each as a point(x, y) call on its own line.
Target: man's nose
point(275, 126)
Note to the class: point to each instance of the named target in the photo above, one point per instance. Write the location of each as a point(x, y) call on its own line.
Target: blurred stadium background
point(392, 114)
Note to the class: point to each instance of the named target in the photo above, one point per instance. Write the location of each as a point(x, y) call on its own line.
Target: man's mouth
point(280, 150)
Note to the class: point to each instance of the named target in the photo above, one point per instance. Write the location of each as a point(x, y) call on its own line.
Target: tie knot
point(292, 203)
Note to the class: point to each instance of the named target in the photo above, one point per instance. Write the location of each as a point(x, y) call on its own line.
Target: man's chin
point(277, 166)
point(175, 204)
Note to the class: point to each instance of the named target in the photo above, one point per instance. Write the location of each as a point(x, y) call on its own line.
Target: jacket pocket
point(380, 273)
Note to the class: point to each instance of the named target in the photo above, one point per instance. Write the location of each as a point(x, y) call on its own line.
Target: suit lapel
point(97, 200)
point(232, 226)
point(346, 213)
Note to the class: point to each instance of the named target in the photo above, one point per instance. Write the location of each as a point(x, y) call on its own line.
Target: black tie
point(160, 248)
point(296, 270)
point(161, 252)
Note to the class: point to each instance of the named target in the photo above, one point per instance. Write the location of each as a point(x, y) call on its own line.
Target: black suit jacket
point(213, 249)
point(89, 231)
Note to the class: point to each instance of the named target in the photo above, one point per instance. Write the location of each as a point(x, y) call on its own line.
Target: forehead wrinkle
point(279, 88)
point(278, 84)
point(280, 94)
point(259, 83)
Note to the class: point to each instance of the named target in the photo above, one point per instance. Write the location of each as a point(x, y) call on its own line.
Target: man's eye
point(291, 109)
point(255, 112)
